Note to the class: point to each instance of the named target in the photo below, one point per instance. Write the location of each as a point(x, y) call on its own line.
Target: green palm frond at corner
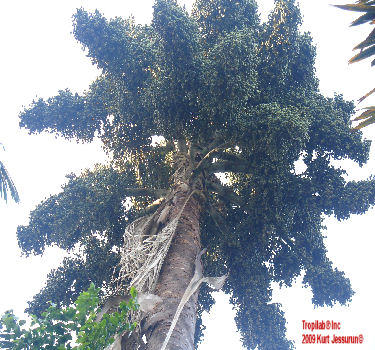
point(367, 49)
point(7, 185)
point(367, 117)
point(360, 6)
point(367, 46)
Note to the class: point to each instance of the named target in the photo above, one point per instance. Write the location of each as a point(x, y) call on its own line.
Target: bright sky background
point(39, 56)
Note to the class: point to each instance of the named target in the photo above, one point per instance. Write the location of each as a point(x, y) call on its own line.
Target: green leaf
point(365, 96)
point(6, 184)
point(367, 42)
point(363, 54)
point(367, 17)
point(366, 2)
point(369, 121)
point(55, 328)
point(133, 292)
point(358, 7)
point(368, 113)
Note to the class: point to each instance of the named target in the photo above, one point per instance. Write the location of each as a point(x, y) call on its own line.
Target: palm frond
point(365, 96)
point(367, 117)
point(367, 17)
point(367, 49)
point(358, 8)
point(7, 185)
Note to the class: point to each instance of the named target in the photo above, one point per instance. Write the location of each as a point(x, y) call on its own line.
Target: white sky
point(39, 56)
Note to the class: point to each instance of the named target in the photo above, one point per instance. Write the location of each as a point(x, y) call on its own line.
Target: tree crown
point(234, 96)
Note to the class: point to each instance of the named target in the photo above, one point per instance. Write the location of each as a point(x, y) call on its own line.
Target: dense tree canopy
point(225, 94)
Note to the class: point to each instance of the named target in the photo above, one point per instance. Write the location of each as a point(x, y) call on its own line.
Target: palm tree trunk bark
point(175, 275)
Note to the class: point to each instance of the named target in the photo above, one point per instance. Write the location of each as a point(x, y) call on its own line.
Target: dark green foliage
point(330, 135)
point(89, 216)
point(68, 114)
point(56, 327)
point(327, 285)
point(243, 98)
point(177, 71)
point(94, 265)
point(91, 203)
point(217, 18)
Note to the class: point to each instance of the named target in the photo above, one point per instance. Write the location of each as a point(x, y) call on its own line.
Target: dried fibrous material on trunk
point(146, 244)
point(144, 253)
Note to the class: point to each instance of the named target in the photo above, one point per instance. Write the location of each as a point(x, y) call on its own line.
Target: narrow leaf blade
point(367, 42)
point(365, 115)
point(365, 96)
point(363, 54)
point(367, 122)
point(358, 7)
point(367, 17)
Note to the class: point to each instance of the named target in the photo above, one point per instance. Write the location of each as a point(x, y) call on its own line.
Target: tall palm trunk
point(175, 275)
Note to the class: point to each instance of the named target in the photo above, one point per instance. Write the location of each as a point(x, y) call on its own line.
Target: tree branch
point(145, 192)
point(224, 192)
point(217, 139)
point(207, 159)
point(194, 148)
point(217, 219)
point(230, 162)
point(225, 166)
